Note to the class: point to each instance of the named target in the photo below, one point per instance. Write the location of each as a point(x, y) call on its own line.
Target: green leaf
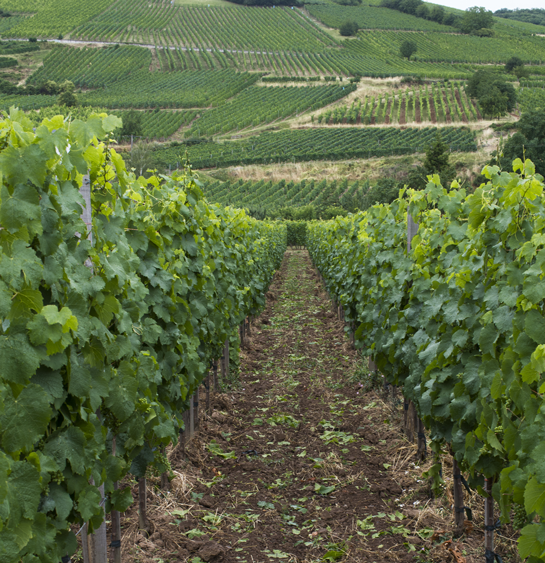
point(111, 123)
point(528, 542)
point(121, 499)
point(534, 326)
point(25, 418)
point(85, 131)
point(487, 338)
point(68, 445)
point(89, 502)
point(63, 501)
point(20, 165)
point(534, 497)
point(323, 490)
point(20, 266)
point(21, 209)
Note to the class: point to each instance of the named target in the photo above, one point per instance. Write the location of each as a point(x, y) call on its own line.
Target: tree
point(141, 157)
point(408, 49)
point(450, 19)
point(66, 94)
point(437, 14)
point(476, 18)
point(493, 103)
point(513, 63)
point(422, 12)
point(348, 28)
point(49, 88)
point(132, 124)
point(437, 161)
point(495, 95)
point(527, 142)
point(409, 6)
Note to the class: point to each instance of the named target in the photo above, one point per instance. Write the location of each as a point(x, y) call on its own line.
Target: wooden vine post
point(142, 504)
point(489, 525)
point(225, 362)
point(95, 547)
point(116, 520)
point(191, 416)
point(215, 375)
point(412, 229)
point(208, 391)
point(196, 408)
point(458, 493)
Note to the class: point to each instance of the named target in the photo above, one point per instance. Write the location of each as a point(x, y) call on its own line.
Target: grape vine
point(111, 350)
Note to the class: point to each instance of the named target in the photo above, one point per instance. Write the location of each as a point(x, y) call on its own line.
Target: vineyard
point(163, 24)
point(315, 144)
point(188, 89)
point(430, 103)
point(442, 47)
point(268, 196)
point(155, 123)
point(258, 105)
point(56, 17)
point(371, 17)
point(532, 98)
point(91, 67)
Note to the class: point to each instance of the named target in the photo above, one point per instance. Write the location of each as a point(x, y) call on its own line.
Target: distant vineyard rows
point(437, 104)
point(315, 144)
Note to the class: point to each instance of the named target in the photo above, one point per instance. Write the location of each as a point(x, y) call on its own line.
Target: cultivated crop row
point(188, 89)
point(266, 196)
point(16, 47)
point(91, 68)
point(455, 319)
point(57, 17)
point(371, 17)
point(241, 28)
point(258, 105)
point(532, 98)
point(156, 124)
point(111, 334)
point(316, 144)
point(435, 103)
point(452, 48)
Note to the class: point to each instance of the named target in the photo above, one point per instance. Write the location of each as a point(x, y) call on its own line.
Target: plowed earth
point(303, 463)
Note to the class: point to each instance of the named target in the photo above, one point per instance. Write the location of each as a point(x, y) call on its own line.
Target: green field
point(437, 104)
point(138, 21)
point(57, 17)
point(315, 144)
point(258, 105)
point(266, 196)
point(450, 48)
point(371, 17)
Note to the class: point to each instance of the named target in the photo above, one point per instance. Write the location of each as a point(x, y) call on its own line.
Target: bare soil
point(417, 112)
point(465, 117)
point(433, 113)
point(304, 461)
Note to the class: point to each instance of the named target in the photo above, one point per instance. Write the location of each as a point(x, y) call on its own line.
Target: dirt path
point(303, 461)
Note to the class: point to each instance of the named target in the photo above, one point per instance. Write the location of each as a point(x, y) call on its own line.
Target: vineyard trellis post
point(191, 416)
point(458, 494)
point(142, 503)
point(95, 546)
point(412, 229)
point(116, 519)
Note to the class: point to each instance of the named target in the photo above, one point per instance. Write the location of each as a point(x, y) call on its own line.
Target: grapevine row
point(458, 322)
point(104, 338)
